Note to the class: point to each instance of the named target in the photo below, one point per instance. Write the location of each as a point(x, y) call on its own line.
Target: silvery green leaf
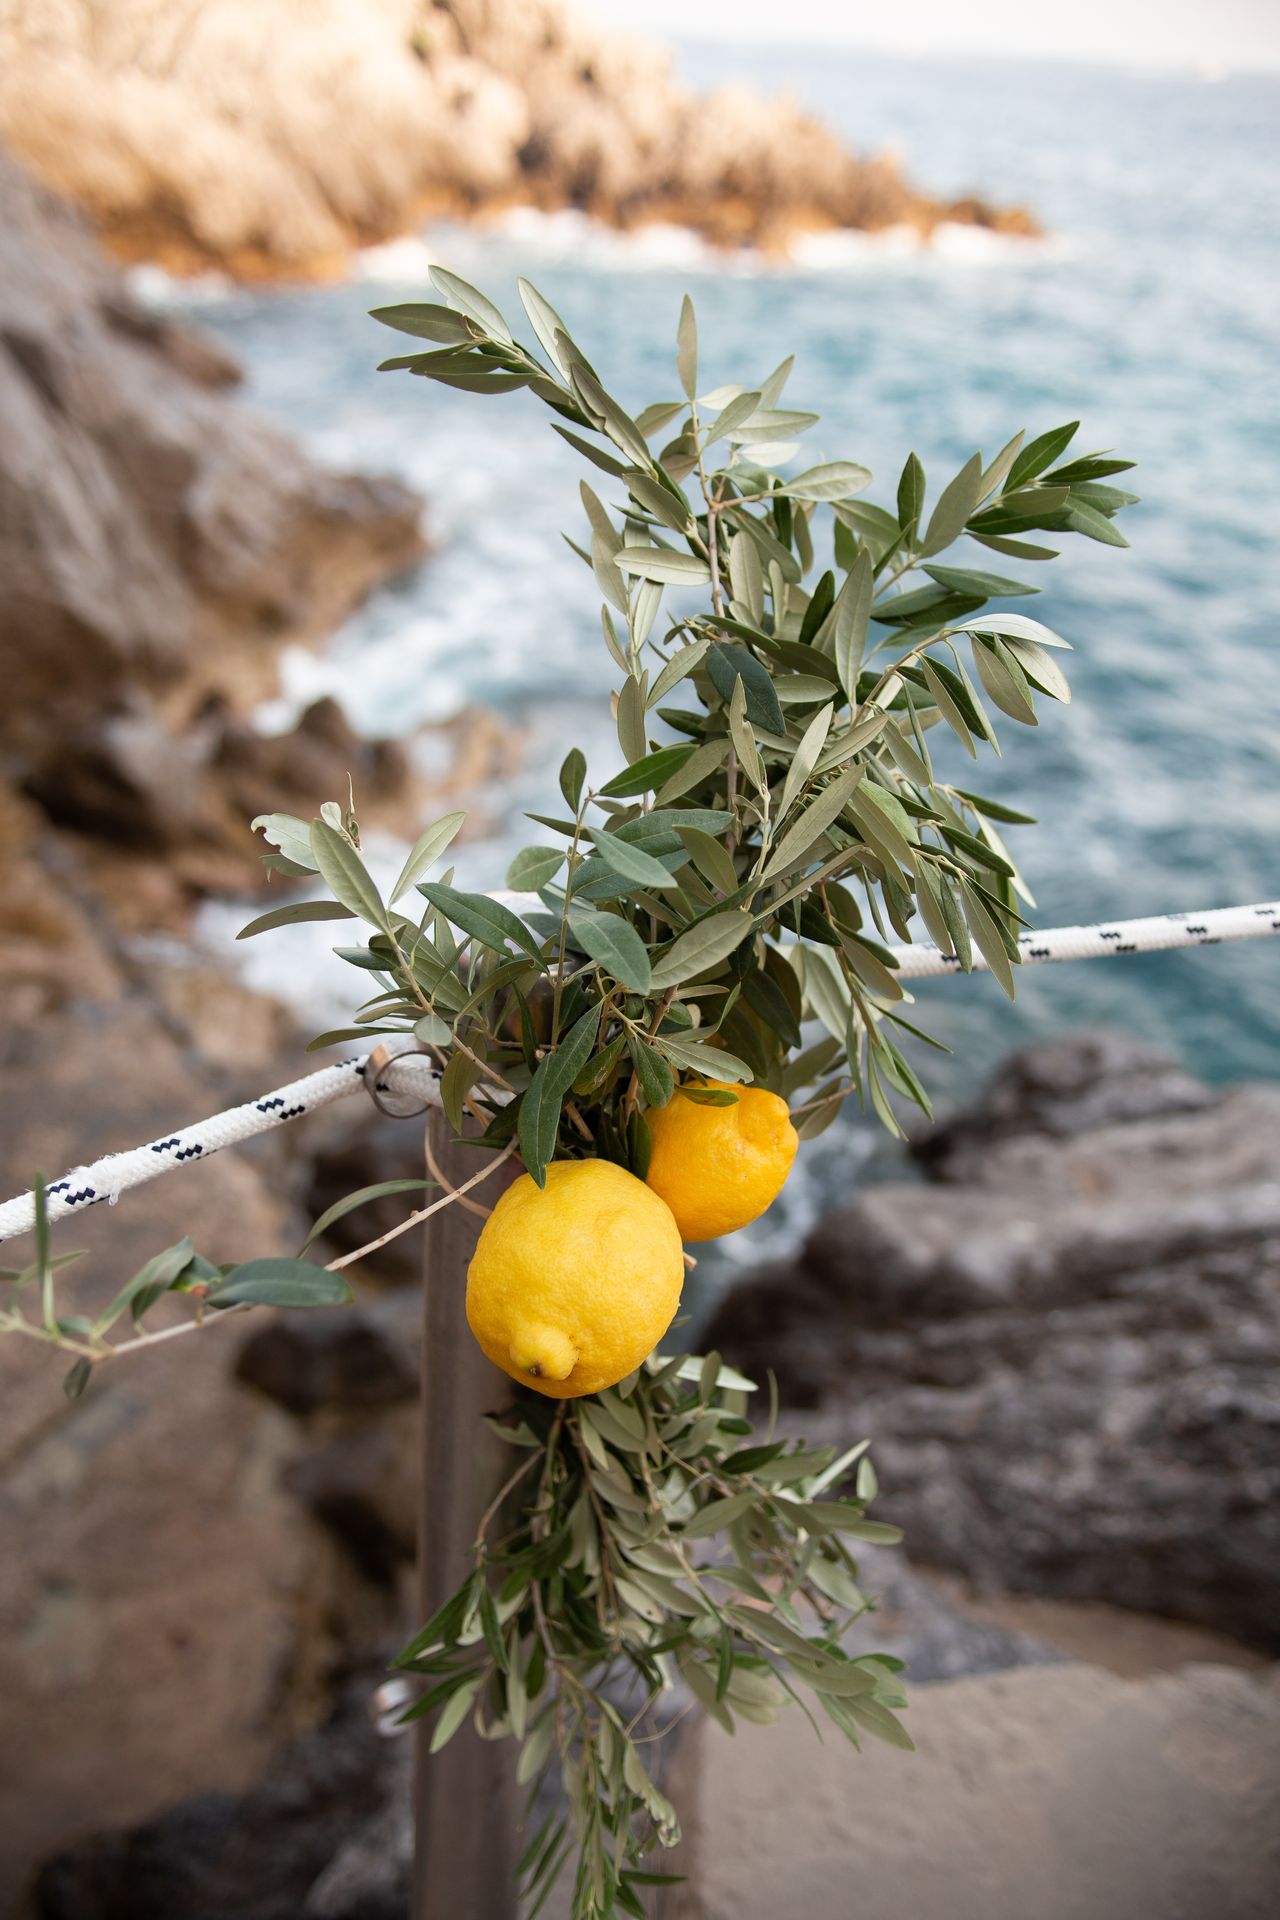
point(717, 1515)
point(678, 667)
point(817, 818)
point(849, 620)
point(611, 583)
point(704, 761)
point(687, 348)
point(727, 664)
point(730, 1379)
point(956, 502)
point(454, 1712)
point(1013, 626)
point(695, 1056)
point(426, 851)
point(1041, 453)
point(661, 413)
point(879, 1721)
point(291, 835)
point(606, 1419)
point(345, 874)
point(837, 480)
point(280, 1283)
point(295, 911)
point(540, 1109)
point(966, 580)
point(661, 502)
point(596, 455)
point(995, 475)
point(473, 303)
point(769, 423)
point(546, 323)
point(601, 406)
point(533, 867)
point(657, 1082)
point(772, 552)
point(1004, 680)
point(771, 389)
point(746, 577)
point(485, 920)
point(631, 862)
point(711, 858)
point(988, 936)
point(425, 322)
point(768, 455)
point(614, 944)
point(601, 524)
point(741, 735)
point(884, 820)
point(733, 415)
point(662, 564)
point(1040, 667)
point(827, 992)
point(631, 718)
point(805, 758)
point(646, 773)
point(572, 774)
point(947, 706)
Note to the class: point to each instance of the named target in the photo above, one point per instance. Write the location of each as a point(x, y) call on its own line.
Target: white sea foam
point(154, 286)
point(407, 258)
point(572, 238)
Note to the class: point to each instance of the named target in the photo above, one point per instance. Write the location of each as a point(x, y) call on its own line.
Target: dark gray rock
point(1094, 1078)
point(1069, 1366)
point(259, 1856)
point(353, 1359)
point(153, 534)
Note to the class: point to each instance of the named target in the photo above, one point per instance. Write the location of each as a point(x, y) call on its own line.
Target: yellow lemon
point(574, 1284)
point(719, 1167)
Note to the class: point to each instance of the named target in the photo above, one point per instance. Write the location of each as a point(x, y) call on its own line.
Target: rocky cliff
point(270, 136)
point(157, 543)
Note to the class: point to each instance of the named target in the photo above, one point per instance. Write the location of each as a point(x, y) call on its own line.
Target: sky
point(1166, 33)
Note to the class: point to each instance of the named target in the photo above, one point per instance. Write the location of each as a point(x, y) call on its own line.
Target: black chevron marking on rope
point(1199, 929)
point(265, 1106)
point(1039, 953)
point(163, 1146)
point(1209, 940)
point(291, 1113)
point(189, 1153)
point(59, 1187)
point(1108, 933)
point(85, 1193)
point(1128, 946)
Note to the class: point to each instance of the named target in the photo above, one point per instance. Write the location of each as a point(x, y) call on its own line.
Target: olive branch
point(717, 910)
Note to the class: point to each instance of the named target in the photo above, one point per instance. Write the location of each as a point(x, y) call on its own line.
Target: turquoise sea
point(1151, 312)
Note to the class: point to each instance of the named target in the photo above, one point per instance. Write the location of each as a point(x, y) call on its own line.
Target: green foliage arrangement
point(721, 909)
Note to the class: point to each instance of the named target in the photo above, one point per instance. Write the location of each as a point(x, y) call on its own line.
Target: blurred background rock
point(234, 567)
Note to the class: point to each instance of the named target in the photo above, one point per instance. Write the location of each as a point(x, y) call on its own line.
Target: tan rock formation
point(151, 533)
point(268, 136)
point(1060, 1791)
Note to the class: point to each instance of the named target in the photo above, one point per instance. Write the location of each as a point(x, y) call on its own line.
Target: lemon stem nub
point(544, 1353)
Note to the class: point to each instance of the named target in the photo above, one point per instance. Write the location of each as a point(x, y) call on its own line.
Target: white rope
point(412, 1076)
point(107, 1179)
point(1154, 935)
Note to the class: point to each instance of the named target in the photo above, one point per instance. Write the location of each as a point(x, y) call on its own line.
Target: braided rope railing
point(412, 1078)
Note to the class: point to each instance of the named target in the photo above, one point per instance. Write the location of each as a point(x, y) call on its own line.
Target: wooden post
point(465, 1798)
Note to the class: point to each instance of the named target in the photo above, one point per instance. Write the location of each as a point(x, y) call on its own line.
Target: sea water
point(1150, 312)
